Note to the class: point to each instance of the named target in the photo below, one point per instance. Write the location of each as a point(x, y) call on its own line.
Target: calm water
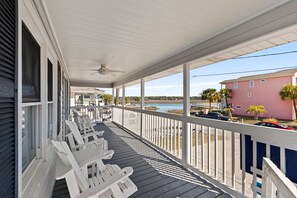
point(166, 107)
point(163, 107)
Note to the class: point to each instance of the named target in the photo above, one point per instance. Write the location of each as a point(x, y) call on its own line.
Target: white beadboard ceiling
point(132, 35)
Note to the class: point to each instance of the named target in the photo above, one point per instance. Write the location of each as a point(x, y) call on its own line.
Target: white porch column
point(112, 96)
point(123, 105)
point(142, 107)
point(112, 102)
point(186, 150)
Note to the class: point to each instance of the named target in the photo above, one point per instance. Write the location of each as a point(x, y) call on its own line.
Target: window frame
point(238, 107)
point(235, 85)
point(252, 83)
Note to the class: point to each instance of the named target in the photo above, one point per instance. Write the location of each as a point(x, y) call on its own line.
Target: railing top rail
point(155, 113)
point(89, 107)
point(272, 136)
point(283, 184)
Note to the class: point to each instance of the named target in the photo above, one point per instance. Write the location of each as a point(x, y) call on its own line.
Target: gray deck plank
point(193, 192)
point(179, 190)
point(165, 188)
point(154, 174)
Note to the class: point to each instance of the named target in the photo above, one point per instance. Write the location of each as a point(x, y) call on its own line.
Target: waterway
point(165, 107)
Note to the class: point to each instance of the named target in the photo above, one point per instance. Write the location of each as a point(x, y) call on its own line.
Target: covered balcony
point(48, 46)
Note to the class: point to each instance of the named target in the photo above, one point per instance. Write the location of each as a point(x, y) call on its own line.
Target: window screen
point(31, 67)
point(28, 135)
point(49, 80)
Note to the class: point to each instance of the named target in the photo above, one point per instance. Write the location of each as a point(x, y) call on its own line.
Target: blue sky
point(172, 85)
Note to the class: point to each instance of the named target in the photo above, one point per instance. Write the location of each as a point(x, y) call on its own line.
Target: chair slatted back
point(75, 132)
point(63, 150)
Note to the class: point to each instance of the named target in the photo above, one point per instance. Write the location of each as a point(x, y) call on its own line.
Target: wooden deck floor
point(154, 174)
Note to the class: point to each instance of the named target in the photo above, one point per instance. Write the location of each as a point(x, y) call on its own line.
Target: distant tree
point(229, 111)
point(137, 99)
point(211, 95)
point(289, 91)
point(226, 94)
point(107, 98)
point(256, 110)
point(127, 100)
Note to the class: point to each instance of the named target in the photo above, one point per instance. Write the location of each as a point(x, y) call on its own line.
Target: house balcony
point(226, 159)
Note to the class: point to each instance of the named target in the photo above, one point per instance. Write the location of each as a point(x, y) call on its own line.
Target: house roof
point(287, 72)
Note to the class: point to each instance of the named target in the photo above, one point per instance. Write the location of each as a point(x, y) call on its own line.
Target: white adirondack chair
point(83, 122)
point(111, 181)
point(88, 157)
point(83, 141)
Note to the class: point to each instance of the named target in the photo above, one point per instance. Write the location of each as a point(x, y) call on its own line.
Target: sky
point(172, 85)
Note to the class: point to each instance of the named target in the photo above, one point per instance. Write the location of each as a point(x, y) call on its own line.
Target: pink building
point(264, 90)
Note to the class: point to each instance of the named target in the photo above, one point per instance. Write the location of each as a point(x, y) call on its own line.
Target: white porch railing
point(275, 183)
point(217, 148)
point(95, 113)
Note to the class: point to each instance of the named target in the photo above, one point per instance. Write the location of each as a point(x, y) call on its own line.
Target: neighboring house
point(264, 90)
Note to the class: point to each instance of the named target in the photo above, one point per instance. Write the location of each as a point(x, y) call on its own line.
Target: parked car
point(274, 125)
point(213, 115)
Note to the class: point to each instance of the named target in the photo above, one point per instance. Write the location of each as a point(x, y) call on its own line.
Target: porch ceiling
point(134, 35)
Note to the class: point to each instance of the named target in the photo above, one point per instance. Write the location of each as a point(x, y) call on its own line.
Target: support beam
point(90, 84)
point(186, 149)
point(142, 106)
point(112, 103)
point(112, 96)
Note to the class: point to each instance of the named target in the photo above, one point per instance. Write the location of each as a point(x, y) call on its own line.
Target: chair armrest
point(90, 156)
point(99, 133)
point(94, 134)
point(61, 169)
point(93, 142)
point(113, 181)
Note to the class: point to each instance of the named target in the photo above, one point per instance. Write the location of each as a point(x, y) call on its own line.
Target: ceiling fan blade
point(112, 70)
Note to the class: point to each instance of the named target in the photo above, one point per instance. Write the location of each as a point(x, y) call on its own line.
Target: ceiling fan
point(103, 70)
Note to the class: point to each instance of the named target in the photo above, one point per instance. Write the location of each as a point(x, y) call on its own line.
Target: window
point(249, 94)
point(31, 67)
point(28, 135)
point(235, 85)
point(49, 80)
point(262, 81)
point(50, 98)
point(252, 83)
point(30, 95)
point(238, 106)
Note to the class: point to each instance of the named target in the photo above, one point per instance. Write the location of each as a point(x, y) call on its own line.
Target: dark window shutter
point(59, 98)
point(8, 99)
